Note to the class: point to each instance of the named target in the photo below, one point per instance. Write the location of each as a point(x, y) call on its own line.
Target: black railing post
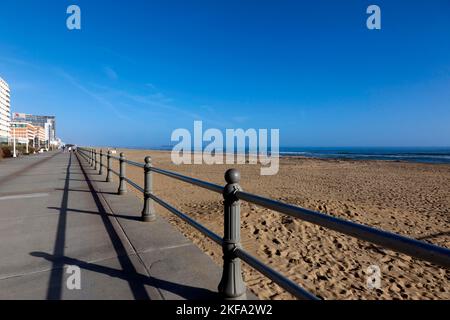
point(89, 156)
point(101, 162)
point(108, 168)
point(95, 159)
point(122, 175)
point(232, 285)
point(148, 213)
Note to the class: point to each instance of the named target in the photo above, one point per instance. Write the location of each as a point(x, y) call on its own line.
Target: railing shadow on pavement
point(54, 292)
point(121, 216)
point(181, 290)
point(85, 191)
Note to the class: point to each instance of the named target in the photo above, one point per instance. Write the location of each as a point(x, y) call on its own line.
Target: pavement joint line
point(32, 217)
point(95, 261)
point(166, 248)
point(25, 196)
point(41, 174)
point(6, 194)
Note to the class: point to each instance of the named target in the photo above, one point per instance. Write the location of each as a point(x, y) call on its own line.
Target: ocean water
point(439, 155)
point(418, 154)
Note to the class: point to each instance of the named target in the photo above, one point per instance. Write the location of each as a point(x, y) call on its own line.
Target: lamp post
point(14, 140)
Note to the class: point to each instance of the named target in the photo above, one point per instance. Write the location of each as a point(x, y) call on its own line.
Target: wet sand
point(407, 198)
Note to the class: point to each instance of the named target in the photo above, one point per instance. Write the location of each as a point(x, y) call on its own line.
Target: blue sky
point(140, 69)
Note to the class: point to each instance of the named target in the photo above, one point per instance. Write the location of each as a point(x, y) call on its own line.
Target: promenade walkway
point(54, 213)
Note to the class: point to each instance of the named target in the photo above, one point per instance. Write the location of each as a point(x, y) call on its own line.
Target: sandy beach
point(407, 198)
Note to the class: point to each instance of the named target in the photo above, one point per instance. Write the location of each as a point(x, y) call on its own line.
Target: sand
point(407, 198)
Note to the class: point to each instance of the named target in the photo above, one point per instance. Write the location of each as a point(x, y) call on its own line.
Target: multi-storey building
point(39, 137)
point(5, 111)
point(46, 122)
point(23, 132)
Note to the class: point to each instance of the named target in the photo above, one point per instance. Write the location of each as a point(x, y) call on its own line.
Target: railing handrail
point(115, 158)
point(200, 183)
point(136, 164)
point(409, 246)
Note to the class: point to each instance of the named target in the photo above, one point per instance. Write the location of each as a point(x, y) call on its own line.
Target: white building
point(5, 111)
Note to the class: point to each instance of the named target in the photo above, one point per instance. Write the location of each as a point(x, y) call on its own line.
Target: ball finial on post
point(232, 176)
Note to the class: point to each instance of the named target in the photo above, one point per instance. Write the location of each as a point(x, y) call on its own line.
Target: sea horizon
point(436, 155)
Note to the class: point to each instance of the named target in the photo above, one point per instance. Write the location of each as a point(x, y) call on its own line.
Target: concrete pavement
point(54, 213)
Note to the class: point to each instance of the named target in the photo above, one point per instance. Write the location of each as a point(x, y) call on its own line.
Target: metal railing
point(232, 285)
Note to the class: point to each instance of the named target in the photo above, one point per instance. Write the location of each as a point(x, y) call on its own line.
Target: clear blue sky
point(139, 69)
